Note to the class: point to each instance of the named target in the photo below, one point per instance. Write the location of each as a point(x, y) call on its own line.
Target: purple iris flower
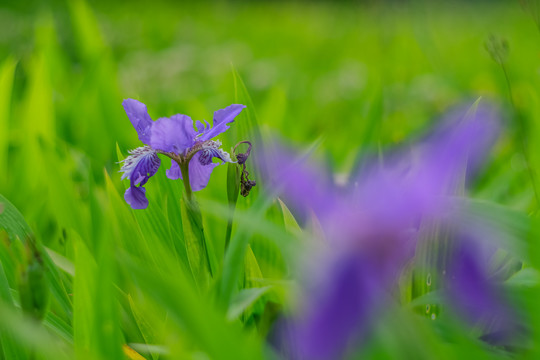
point(176, 138)
point(371, 230)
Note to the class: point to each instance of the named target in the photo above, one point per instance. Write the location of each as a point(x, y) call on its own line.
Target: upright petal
point(174, 134)
point(221, 120)
point(201, 128)
point(138, 115)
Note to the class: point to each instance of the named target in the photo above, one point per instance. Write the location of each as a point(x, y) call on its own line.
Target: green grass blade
point(188, 310)
point(8, 346)
point(244, 299)
point(7, 70)
point(12, 221)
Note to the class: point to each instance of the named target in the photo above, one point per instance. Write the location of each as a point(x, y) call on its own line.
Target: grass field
point(312, 263)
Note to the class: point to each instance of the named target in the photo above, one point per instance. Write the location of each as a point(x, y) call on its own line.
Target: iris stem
point(184, 169)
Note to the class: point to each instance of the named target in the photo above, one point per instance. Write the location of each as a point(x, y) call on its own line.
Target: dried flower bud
point(242, 158)
point(245, 183)
point(246, 187)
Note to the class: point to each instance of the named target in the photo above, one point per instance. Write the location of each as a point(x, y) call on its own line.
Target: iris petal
point(138, 167)
point(136, 198)
point(138, 115)
point(213, 150)
point(199, 174)
point(221, 120)
point(174, 134)
point(174, 172)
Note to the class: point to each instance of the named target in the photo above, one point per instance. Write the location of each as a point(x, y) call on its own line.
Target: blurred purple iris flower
point(371, 230)
point(176, 138)
point(478, 298)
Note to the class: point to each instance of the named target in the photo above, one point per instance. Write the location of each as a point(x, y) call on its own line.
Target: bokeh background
point(358, 74)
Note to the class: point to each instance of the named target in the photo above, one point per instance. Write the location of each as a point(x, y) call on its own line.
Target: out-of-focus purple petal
point(478, 299)
point(293, 178)
point(340, 310)
point(136, 198)
point(416, 183)
point(221, 120)
point(174, 134)
point(138, 115)
point(468, 133)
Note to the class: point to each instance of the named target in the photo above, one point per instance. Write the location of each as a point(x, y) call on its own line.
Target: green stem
point(184, 169)
point(201, 255)
point(521, 136)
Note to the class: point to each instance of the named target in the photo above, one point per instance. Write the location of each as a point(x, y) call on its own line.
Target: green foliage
point(82, 275)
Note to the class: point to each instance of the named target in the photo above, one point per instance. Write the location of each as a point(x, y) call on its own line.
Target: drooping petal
point(174, 172)
point(138, 115)
point(136, 198)
point(221, 120)
point(199, 174)
point(138, 167)
point(142, 162)
point(207, 155)
point(174, 134)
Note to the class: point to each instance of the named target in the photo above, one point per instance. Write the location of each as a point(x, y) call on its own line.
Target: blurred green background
point(360, 76)
point(312, 69)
